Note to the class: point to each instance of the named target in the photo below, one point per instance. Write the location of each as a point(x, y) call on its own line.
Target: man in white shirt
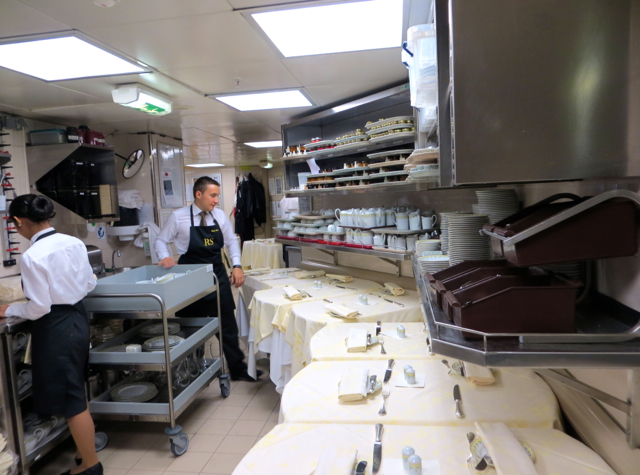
point(199, 232)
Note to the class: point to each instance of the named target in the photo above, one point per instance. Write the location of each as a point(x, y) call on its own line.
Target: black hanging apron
point(60, 354)
point(205, 247)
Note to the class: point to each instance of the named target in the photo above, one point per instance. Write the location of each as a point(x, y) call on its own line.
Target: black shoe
point(95, 470)
point(246, 377)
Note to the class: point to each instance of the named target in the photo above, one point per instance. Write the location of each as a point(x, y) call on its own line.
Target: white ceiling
point(196, 47)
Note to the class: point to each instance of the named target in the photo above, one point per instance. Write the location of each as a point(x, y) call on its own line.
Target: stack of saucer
point(433, 264)
point(444, 228)
point(465, 241)
point(499, 203)
point(427, 245)
point(139, 391)
point(157, 343)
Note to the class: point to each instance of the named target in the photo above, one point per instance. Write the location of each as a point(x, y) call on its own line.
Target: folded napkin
point(307, 274)
point(395, 289)
point(341, 310)
point(260, 269)
point(336, 461)
point(292, 293)
point(357, 340)
point(478, 374)
point(341, 278)
point(506, 452)
point(353, 384)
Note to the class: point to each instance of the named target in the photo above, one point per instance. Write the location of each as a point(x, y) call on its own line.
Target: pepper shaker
point(415, 465)
point(410, 374)
point(401, 331)
point(406, 453)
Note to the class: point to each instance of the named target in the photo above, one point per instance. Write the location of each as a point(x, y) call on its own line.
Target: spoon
point(446, 363)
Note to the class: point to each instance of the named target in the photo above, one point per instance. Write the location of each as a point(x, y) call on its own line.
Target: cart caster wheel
point(225, 385)
point(101, 441)
point(179, 444)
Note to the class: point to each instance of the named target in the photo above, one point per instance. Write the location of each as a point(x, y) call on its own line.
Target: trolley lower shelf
point(102, 407)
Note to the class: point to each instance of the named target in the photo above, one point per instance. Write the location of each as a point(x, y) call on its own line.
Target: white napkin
point(336, 461)
point(395, 289)
point(357, 340)
point(478, 375)
point(308, 274)
point(506, 452)
point(341, 310)
point(292, 293)
point(353, 384)
point(341, 278)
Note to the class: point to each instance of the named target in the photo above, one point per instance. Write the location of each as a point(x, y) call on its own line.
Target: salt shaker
point(410, 374)
point(415, 465)
point(317, 284)
point(406, 453)
point(364, 300)
point(400, 330)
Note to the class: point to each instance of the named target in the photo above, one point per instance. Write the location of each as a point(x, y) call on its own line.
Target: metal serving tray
point(176, 294)
point(195, 331)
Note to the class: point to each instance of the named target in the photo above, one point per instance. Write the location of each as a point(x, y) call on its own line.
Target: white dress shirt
point(55, 271)
point(178, 229)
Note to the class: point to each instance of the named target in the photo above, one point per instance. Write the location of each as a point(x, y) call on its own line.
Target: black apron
point(205, 247)
point(60, 354)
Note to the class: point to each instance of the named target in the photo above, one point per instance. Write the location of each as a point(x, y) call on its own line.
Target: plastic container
point(423, 70)
point(516, 304)
point(48, 136)
point(607, 229)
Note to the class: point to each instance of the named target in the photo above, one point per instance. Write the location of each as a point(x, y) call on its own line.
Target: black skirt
point(60, 355)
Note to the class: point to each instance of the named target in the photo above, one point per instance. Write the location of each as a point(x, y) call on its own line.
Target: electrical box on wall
point(171, 176)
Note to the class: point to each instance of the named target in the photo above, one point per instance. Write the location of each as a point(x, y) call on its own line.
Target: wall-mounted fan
point(133, 163)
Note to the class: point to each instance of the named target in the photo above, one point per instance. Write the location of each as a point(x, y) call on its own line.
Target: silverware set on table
point(386, 388)
point(384, 298)
point(380, 338)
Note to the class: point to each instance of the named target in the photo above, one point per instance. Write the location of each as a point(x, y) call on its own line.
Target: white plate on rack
point(389, 163)
point(392, 137)
point(349, 146)
point(386, 174)
point(349, 170)
point(354, 137)
point(390, 153)
point(392, 119)
point(318, 144)
point(390, 127)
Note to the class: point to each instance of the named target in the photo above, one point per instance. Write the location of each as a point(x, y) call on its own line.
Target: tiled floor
point(221, 432)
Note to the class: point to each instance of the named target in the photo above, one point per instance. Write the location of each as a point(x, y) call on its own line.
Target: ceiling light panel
point(266, 100)
point(204, 165)
point(66, 57)
point(272, 143)
point(354, 26)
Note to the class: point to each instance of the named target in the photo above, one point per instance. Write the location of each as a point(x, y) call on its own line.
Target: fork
point(381, 341)
point(386, 392)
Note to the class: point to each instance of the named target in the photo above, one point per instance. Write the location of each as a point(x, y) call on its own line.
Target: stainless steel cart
point(124, 296)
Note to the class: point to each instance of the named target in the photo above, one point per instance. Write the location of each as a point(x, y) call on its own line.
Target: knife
point(343, 287)
point(388, 300)
point(387, 374)
point(458, 399)
point(377, 450)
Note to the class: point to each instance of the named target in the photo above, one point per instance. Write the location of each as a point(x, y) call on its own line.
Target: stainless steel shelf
point(403, 186)
point(600, 342)
point(395, 256)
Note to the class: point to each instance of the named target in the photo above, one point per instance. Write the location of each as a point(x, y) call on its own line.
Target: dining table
point(307, 319)
point(260, 253)
point(294, 449)
point(519, 397)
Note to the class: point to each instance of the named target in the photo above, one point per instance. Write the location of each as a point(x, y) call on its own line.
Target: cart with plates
point(165, 361)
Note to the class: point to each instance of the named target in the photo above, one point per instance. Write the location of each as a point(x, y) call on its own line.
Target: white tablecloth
point(308, 319)
point(519, 398)
point(262, 253)
point(328, 344)
point(294, 449)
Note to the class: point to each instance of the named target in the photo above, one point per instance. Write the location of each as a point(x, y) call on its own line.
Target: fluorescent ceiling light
point(67, 57)
point(204, 165)
point(265, 164)
point(143, 99)
point(266, 100)
point(355, 26)
point(272, 143)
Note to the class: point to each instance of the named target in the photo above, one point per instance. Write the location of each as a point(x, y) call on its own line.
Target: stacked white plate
point(7, 460)
point(444, 228)
point(465, 241)
point(427, 245)
point(498, 203)
point(433, 264)
point(139, 391)
point(157, 329)
point(157, 343)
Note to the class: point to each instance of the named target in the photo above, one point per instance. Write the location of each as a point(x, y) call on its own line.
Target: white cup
point(411, 243)
point(365, 238)
point(331, 228)
point(428, 222)
point(414, 221)
point(351, 235)
point(397, 242)
point(369, 219)
point(380, 217)
point(390, 217)
point(339, 229)
point(378, 239)
point(402, 221)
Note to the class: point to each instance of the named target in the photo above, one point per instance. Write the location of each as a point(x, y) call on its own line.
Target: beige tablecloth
point(308, 319)
point(328, 343)
point(262, 253)
point(519, 398)
point(270, 308)
point(294, 449)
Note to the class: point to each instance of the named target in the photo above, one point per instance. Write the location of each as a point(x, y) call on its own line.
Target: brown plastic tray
point(516, 304)
point(606, 229)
